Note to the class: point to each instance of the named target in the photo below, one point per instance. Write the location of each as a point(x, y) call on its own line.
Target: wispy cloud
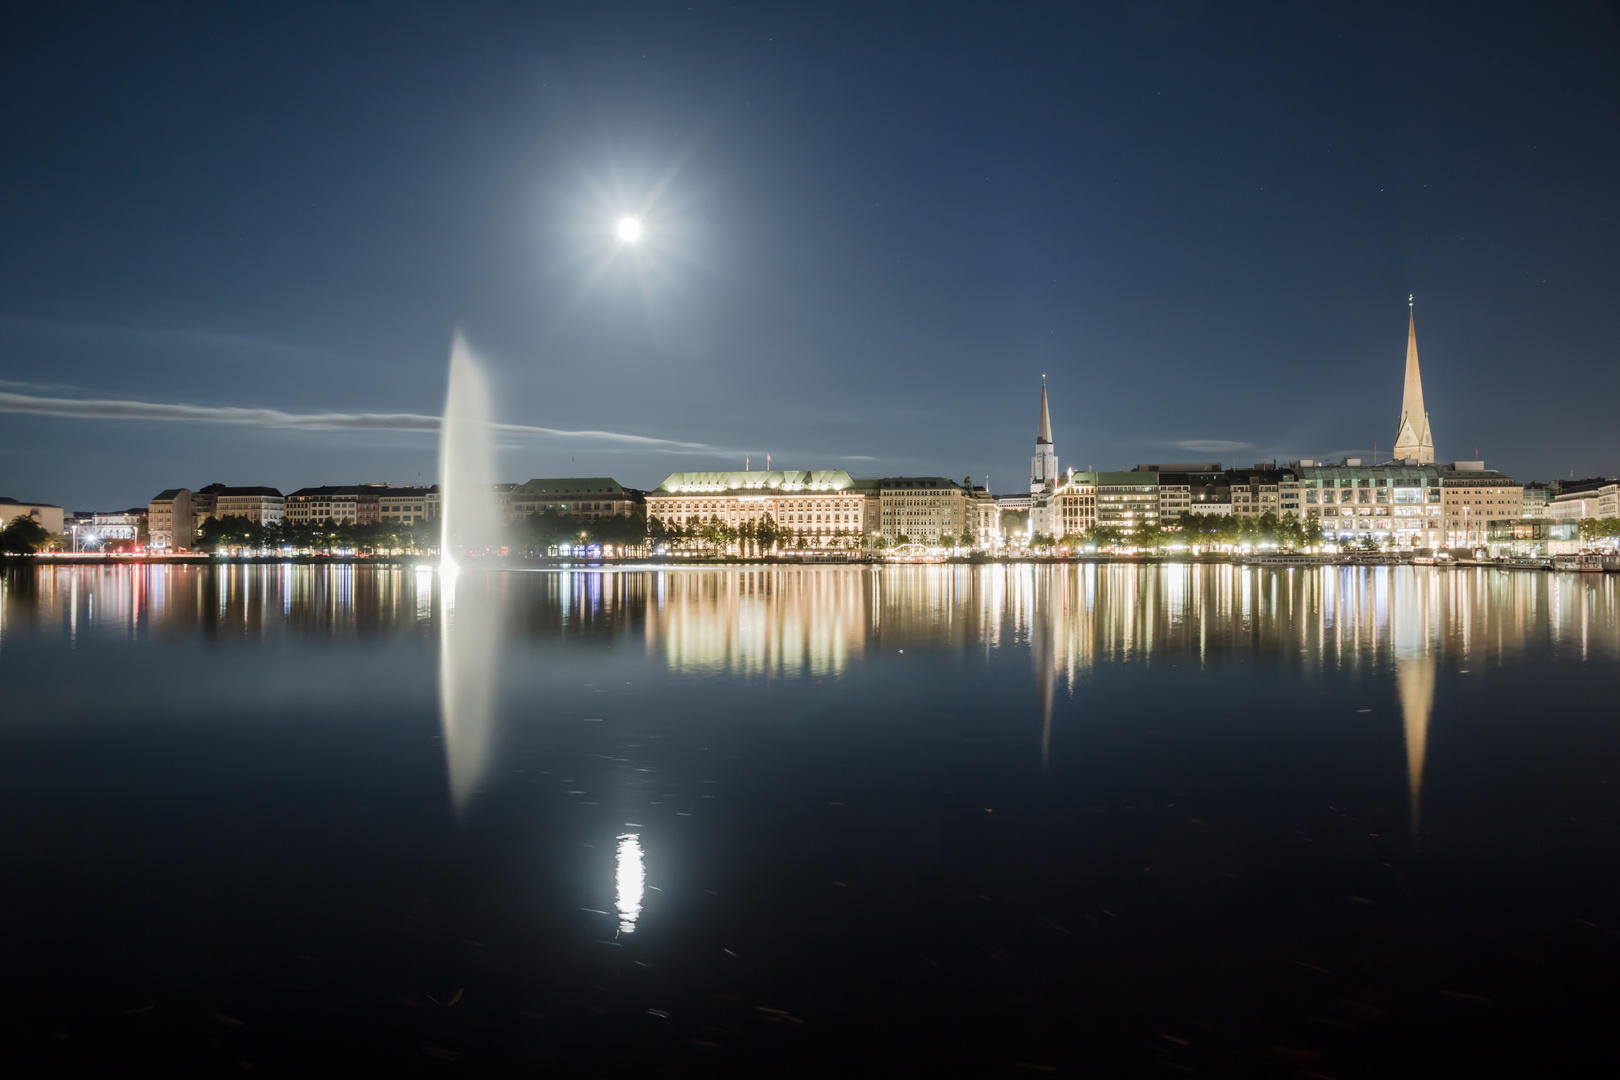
point(1213, 446)
point(112, 409)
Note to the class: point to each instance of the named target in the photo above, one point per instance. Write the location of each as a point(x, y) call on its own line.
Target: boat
point(1584, 563)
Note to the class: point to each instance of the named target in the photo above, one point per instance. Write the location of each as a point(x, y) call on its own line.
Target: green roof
point(790, 480)
point(1127, 479)
point(570, 485)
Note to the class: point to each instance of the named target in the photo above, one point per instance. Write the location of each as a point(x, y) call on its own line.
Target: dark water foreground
point(997, 821)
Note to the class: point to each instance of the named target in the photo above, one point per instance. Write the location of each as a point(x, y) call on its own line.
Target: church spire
point(1044, 434)
point(1043, 467)
point(1412, 438)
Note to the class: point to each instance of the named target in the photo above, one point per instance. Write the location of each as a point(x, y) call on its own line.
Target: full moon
point(629, 230)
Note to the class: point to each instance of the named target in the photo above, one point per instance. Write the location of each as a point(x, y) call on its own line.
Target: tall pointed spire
point(1412, 438)
point(1044, 435)
point(1043, 467)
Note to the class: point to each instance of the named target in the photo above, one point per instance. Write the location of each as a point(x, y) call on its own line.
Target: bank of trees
point(1204, 530)
point(1600, 529)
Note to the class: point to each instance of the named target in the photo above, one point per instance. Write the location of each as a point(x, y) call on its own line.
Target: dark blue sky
point(870, 229)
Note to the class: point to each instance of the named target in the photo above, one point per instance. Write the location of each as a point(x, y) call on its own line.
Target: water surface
point(781, 821)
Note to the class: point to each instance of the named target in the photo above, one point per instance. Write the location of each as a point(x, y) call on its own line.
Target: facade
point(926, 510)
point(169, 521)
point(1414, 443)
point(118, 529)
point(202, 505)
point(1068, 508)
point(587, 496)
point(1408, 505)
point(1387, 504)
point(260, 505)
point(338, 504)
point(47, 515)
point(986, 512)
point(1127, 500)
point(1043, 467)
point(1263, 490)
point(826, 506)
point(408, 505)
point(1473, 496)
point(1536, 498)
point(1598, 497)
point(326, 505)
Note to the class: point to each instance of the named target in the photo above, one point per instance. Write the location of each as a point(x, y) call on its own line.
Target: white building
point(1598, 497)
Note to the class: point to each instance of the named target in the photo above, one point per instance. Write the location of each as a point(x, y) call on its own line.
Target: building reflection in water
point(1414, 629)
point(800, 622)
point(630, 881)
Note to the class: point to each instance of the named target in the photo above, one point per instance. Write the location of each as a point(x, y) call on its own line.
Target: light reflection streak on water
point(630, 881)
point(783, 621)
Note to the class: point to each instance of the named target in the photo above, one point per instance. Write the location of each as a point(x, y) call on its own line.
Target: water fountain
point(469, 616)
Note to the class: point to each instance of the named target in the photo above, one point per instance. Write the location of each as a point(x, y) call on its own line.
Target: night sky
point(870, 230)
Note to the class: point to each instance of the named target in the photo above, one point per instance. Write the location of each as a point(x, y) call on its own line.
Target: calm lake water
point(992, 821)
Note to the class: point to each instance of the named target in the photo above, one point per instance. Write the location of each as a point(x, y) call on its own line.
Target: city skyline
point(1205, 247)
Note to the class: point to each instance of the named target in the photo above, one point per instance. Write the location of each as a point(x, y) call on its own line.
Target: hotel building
point(821, 504)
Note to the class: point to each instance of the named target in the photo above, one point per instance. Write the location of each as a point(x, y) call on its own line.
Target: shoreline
point(666, 562)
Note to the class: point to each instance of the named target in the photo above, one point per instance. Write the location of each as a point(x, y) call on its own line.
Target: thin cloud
point(1213, 446)
point(104, 409)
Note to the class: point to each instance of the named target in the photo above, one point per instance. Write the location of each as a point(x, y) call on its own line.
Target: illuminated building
point(1472, 496)
point(408, 505)
point(1536, 497)
point(1409, 505)
point(927, 510)
point(584, 496)
point(260, 505)
point(1391, 503)
point(170, 524)
point(827, 507)
point(1413, 442)
point(1598, 497)
point(1127, 500)
point(1068, 508)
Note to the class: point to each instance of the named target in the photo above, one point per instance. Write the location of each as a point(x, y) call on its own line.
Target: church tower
point(1043, 467)
point(1412, 439)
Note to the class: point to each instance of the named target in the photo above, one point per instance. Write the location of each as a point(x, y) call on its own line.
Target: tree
point(966, 539)
point(23, 535)
point(1103, 536)
point(1148, 535)
point(1043, 540)
point(901, 538)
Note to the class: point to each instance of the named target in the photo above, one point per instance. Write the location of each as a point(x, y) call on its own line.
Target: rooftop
point(779, 480)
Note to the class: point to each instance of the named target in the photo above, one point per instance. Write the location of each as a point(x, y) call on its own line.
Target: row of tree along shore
point(552, 534)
